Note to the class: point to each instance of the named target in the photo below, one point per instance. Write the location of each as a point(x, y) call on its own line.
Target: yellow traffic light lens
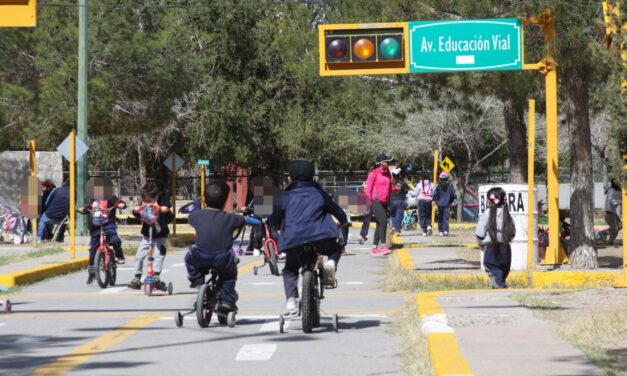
point(363, 49)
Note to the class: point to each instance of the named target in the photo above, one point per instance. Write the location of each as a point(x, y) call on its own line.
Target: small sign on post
point(203, 162)
point(447, 164)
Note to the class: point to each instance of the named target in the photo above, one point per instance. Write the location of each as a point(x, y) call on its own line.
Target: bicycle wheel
point(318, 292)
point(204, 308)
point(274, 260)
point(102, 274)
point(308, 301)
point(113, 270)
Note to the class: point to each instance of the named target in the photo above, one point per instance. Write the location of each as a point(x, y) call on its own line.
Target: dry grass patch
point(415, 352)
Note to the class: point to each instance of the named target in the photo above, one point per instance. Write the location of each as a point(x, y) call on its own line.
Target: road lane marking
point(247, 268)
point(92, 348)
point(261, 351)
point(113, 290)
point(354, 283)
point(2, 324)
point(273, 326)
point(263, 283)
point(125, 268)
point(436, 324)
point(178, 265)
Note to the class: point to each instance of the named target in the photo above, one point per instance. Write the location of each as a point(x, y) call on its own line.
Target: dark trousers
point(424, 214)
point(380, 212)
point(327, 247)
point(444, 212)
point(397, 209)
point(198, 262)
point(365, 226)
point(112, 237)
point(497, 262)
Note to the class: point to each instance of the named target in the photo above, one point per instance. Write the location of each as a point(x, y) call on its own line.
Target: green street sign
point(458, 46)
point(203, 162)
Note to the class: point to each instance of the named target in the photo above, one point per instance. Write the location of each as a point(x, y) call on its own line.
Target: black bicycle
point(207, 302)
point(312, 291)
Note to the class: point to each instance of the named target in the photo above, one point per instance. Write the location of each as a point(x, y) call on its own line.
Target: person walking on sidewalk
point(397, 199)
point(378, 189)
point(612, 202)
point(495, 231)
point(444, 196)
point(425, 192)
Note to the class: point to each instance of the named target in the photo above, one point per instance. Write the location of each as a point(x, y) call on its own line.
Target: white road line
point(263, 283)
point(2, 324)
point(273, 326)
point(436, 324)
point(262, 351)
point(353, 283)
point(178, 265)
point(113, 290)
point(126, 268)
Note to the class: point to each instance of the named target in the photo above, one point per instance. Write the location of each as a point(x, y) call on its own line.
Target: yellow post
point(33, 172)
point(174, 193)
point(531, 147)
point(435, 181)
point(72, 194)
point(202, 187)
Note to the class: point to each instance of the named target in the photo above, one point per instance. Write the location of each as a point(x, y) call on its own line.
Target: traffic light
point(18, 13)
point(351, 49)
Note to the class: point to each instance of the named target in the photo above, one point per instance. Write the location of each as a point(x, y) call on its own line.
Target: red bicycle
point(105, 264)
point(270, 251)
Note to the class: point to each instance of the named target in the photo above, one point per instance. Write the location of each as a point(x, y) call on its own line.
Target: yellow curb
point(539, 279)
point(446, 356)
point(42, 272)
point(420, 245)
point(356, 224)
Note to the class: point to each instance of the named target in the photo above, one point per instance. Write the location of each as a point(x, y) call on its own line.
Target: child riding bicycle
point(160, 231)
point(304, 215)
point(212, 244)
point(102, 212)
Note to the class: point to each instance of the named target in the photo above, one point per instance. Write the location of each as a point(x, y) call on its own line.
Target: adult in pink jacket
point(378, 188)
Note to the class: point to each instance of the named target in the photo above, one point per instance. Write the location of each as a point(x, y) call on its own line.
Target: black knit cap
point(302, 169)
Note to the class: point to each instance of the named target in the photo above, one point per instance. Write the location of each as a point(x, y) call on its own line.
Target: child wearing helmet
point(304, 214)
point(443, 197)
point(495, 231)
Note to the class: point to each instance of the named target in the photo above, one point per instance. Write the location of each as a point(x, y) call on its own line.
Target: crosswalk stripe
point(113, 290)
point(261, 351)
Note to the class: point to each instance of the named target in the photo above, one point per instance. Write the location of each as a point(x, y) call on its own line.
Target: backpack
point(99, 212)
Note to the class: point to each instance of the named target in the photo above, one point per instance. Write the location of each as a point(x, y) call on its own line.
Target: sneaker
point(441, 233)
point(227, 307)
point(374, 251)
point(445, 233)
point(424, 234)
point(385, 250)
point(329, 273)
point(282, 256)
point(361, 240)
point(290, 305)
point(196, 284)
point(121, 260)
point(135, 284)
point(256, 252)
point(429, 231)
point(90, 278)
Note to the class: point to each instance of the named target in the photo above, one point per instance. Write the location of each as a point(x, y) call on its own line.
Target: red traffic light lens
point(363, 49)
point(337, 49)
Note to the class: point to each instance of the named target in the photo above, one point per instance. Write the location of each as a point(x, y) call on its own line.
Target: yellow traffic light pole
point(202, 187)
point(531, 148)
point(548, 67)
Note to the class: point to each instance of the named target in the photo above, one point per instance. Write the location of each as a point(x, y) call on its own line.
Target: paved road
point(61, 326)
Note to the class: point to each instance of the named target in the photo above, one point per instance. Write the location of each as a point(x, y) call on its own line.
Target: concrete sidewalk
point(484, 332)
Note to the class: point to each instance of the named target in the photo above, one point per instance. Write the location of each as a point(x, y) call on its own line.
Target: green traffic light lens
point(389, 49)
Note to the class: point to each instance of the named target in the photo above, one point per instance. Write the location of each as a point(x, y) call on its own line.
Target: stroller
point(13, 223)
point(410, 219)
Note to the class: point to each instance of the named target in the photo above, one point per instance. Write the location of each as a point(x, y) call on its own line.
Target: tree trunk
point(583, 255)
point(514, 116)
point(141, 161)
